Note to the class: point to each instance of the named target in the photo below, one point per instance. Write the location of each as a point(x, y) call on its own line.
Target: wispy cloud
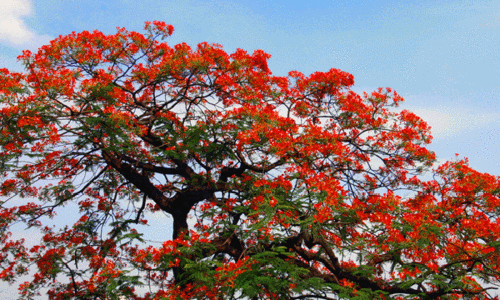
point(13, 29)
point(449, 121)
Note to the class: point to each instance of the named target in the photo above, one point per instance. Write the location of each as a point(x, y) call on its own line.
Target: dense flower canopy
point(297, 187)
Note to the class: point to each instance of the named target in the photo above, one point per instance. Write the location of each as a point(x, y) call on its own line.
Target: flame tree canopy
point(297, 187)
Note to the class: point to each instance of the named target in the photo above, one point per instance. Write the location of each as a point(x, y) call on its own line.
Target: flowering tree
point(297, 187)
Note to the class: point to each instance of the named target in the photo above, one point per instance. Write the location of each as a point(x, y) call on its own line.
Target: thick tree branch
point(153, 168)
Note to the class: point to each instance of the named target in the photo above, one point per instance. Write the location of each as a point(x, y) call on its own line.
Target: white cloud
point(13, 30)
point(446, 122)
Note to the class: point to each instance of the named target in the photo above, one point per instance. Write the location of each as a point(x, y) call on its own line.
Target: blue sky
point(442, 56)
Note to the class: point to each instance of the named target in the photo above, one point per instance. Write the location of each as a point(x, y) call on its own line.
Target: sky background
point(442, 56)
